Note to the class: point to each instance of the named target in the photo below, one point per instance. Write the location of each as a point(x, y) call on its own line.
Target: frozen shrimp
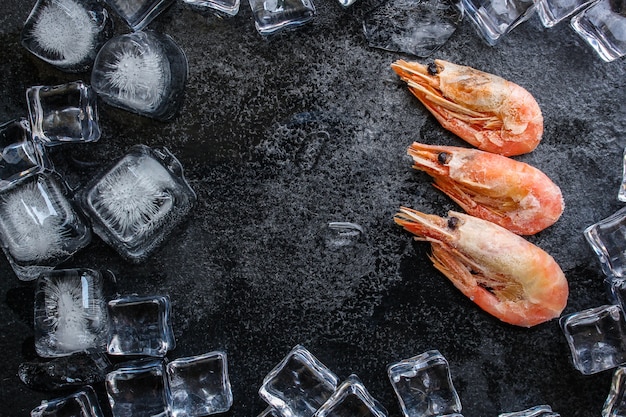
point(487, 111)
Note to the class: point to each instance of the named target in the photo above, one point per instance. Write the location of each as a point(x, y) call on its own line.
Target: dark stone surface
point(279, 137)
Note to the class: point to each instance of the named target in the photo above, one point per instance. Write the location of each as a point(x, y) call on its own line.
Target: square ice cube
point(70, 313)
point(495, 18)
point(424, 386)
point(596, 338)
point(615, 404)
point(39, 228)
point(608, 240)
point(603, 26)
point(138, 13)
point(22, 157)
point(552, 12)
point(63, 113)
point(140, 326)
point(67, 33)
point(136, 204)
point(272, 16)
point(228, 7)
point(536, 411)
point(268, 412)
point(138, 388)
point(351, 399)
point(298, 385)
point(199, 385)
point(83, 403)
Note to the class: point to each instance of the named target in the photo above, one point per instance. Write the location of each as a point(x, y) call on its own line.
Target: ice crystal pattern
point(139, 76)
point(133, 201)
point(33, 223)
point(65, 29)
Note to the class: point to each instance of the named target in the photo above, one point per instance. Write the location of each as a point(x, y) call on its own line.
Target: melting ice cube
point(423, 385)
point(536, 411)
point(142, 72)
point(615, 404)
point(351, 399)
point(495, 18)
point(70, 313)
point(139, 13)
point(417, 27)
point(298, 385)
point(271, 16)
point(39, 228)
point(603, 26)
point(228, 7)
point(63, 113)
point(552, 12)
point(67, 33)
point(199, 385)
point(137, 203)
point(83, 403)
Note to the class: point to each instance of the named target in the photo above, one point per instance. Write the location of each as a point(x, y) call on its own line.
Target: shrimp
point(507, 276)
point(489, 112)
point(512, 194)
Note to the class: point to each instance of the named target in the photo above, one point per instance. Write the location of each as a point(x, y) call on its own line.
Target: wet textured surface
point(278, 138)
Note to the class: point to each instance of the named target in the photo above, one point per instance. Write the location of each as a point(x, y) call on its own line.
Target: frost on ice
point(66, 33)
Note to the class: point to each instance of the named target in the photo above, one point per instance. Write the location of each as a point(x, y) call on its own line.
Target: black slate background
point(278, 137)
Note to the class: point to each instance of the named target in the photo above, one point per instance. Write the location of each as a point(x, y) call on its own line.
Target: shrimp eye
point(444, 158)
point(432, 69)
point(453, 222)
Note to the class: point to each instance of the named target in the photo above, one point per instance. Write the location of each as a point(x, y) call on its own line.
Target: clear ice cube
point(603, 26)
point(416, 27)
point(70, 313)
point(615, 404)
point(139, 13)
point(21, 157)
point(199, 385)
point(136, 204)
point(83, 403)
point(39, 228)
point(272, 16)
point(338, 235)
point(552, 12)
point(140, 326)
point(142, 72)
point(536, 411)
point(138, 388)
point(495, 18)
point(424, 386)
point(63, 113)
point(298, 385)
point(228, 7)
point(268, 412)
point(596, 338)
point(351, 399)
point(67, 33)
point(607, 238)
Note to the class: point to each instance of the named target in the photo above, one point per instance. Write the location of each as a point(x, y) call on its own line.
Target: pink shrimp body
point(510, 193)
point(487, 111)
point(507, 276)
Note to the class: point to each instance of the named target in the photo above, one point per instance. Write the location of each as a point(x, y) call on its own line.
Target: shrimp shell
point(487, 111)
point(505, 275)
point(510, 193)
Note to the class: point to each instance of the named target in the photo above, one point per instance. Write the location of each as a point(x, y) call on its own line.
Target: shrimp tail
point(426, 227)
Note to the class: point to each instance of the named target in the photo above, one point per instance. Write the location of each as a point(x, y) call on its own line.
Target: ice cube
point(338, 235)
point(268, 412)
point(552, 12)
point(83, 403)
point(603, 26)
point(21, 156)
point(424, 386)
point(70, 313)
point(298, 385)
point(63, 113)
point(351, 399)
point(416, 27)
point(608, 240)
point(495, 18)
point(199, 385)
point(142, 72)
point(536, 411)
point(272, 16)
point(621, 194)
point(39, 228)
point(615, 404)
point(140, 326)
point(67, 33)
point(228, 7)
point(136, 204)
point(138, 388)
point(596, 338)
point(139, 13)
